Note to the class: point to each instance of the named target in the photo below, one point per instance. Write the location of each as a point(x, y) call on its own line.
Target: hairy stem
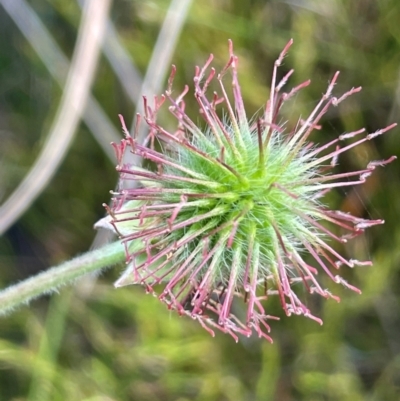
point(54, 278)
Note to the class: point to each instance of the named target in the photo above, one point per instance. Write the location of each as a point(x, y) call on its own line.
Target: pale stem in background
point(72, 105)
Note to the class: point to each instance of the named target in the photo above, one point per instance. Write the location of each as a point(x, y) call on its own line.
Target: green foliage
point(100, 344)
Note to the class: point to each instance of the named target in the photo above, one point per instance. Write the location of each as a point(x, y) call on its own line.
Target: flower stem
point(54, 278)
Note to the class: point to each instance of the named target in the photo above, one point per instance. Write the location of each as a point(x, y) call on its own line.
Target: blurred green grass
point(98, 343)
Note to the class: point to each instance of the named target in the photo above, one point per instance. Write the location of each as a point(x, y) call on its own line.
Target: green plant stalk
point(52, 279)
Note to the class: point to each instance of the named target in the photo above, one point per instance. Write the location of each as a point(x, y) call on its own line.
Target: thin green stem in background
point(56, 277)
point(51, 336)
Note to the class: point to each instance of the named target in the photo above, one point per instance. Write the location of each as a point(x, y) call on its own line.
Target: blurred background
point(93, 342)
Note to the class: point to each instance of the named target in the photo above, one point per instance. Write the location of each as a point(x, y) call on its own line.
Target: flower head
point(228, 210)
